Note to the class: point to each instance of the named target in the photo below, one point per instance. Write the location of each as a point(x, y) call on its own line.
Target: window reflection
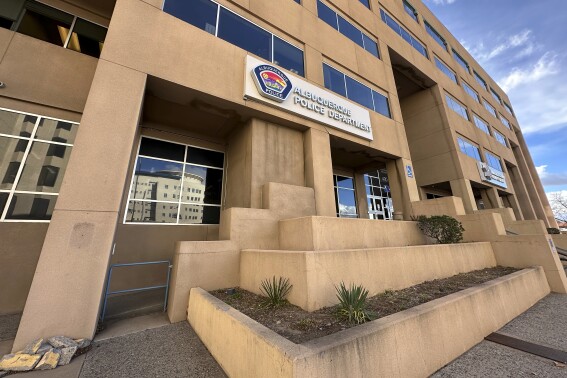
point(345, 199)
point(31, 207)
point(42, 172)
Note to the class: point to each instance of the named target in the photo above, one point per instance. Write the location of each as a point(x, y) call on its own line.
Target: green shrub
point(352, 303)
point(275, 291)
point(443, 228)
point(553, 231)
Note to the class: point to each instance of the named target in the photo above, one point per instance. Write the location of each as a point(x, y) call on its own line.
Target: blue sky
point(522, 44)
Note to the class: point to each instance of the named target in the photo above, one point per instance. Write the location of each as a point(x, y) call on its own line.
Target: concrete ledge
point(314, 274)
point(332, 233)
point(207, 264)
point(412, 343)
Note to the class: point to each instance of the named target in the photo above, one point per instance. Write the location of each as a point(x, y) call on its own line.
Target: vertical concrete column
point(462, 188)
point(319, 170)
point(402, 187)
point(67, 288)
point(549, 216)
point(361, 198)
point(493, 198)
point(513, 201)
point(522, 196)
point(530, 185)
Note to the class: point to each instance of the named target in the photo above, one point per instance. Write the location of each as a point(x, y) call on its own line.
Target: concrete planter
point(411, 343)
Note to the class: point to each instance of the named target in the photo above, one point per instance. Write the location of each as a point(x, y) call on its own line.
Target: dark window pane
point(56, 150)
point(359, 93)
point(381, 104)
point(288, 56)
point(21, 146)
point(161, 149)
point(45, 23)
point(244, 34)
point(406, 36)
point(409, 10)
point(152, 212)
point(199, 214)
point(327, 14)
point(156, 180)
point(41, 171)
point(203, 183)
point(436, 36)
point(50, 129)
point(3, 200)
point(345, 182)
point(13, 123)
point(31, 207)
point(366, 3)
point(350, 31)
point(200, 13)
point(48, 176)
point(11, 9)
point(370, 45)
point(87, 38)
point(5, 23)
point(334, 80)
point(205, 157)
point(10, 161)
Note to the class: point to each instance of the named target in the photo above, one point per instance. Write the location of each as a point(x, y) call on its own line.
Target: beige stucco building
point(129, 125)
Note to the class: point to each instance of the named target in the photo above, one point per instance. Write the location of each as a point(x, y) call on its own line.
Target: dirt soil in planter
point(301, 326)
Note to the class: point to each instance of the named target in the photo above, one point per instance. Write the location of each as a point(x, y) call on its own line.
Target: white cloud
point(545, 66)
point(551, 178)
point(523, 39)
point(541, 170)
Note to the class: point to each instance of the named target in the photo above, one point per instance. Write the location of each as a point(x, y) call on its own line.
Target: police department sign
point(270, 85)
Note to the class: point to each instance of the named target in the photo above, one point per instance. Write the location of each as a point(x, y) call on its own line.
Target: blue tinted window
point(244, 34)
point(334, 80)
point(469, 149)
point(298, 1)
point(327, 14)
point(446, 70)
point(410, 10)
point(200, 13)
point(480, 80)
point(495, 95)
point(366, 3)
point(493, 161)
point(288, 56)
point(358, 92)
point(457, 107)
point(500, 138)
point(381, 104)
point(461, 61)
point(350, 31)
point(471, 92)
point(490, 108)
point(508, 108)
point(370, 45)
point(403, 33)
point(436, 36)
point(479, 122)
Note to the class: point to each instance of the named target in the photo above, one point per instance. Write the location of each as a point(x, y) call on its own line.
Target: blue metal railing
point(108, 293)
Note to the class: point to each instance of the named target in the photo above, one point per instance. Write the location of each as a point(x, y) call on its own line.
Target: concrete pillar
point(549, 220)
point(66, 291)
point(462, 188)
point(513, 203)
point(403, 188)
point(530, 186)
point(492, 197)
point(319, 170)
point(522, 197)
point(361, 198)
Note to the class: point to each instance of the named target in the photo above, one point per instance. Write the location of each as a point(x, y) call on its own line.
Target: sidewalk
point(544, 324)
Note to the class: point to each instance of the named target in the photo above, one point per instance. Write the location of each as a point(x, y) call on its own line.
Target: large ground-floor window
point(34, 152)
point(175, 183)
point(345, 197)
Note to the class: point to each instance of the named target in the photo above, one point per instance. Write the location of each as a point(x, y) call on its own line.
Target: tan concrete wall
point(530, 227)
point(314, 274)
point(19, 253)
point(288, 201)
point(412, 343)
point(530, 250)
point(209, 265)
point(452, 206)
point(560, 240)
point(326, 233)
point(64, 83)
point(507, 214)
point(481, 227)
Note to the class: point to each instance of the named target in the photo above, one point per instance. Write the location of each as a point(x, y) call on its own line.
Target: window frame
point(30, 140)
point(385, 15)
point(179, 201)
point(435, 35)
point(336, 188)
point(438, 62)
point(468, 89)
point(461, 61)
point(463, 106)
point(273, 35)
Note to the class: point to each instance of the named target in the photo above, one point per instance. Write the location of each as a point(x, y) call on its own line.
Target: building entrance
point(378, 195)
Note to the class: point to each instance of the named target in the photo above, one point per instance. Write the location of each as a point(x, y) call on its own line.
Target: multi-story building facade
point(128, 125)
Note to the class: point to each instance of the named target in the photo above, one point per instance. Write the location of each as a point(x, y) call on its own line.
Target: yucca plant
point(275, 291)
point(352, 303)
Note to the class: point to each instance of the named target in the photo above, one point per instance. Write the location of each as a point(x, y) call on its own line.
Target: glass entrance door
point(378, 195)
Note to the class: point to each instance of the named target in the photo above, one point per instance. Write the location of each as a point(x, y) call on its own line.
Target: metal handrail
point(108, 293)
